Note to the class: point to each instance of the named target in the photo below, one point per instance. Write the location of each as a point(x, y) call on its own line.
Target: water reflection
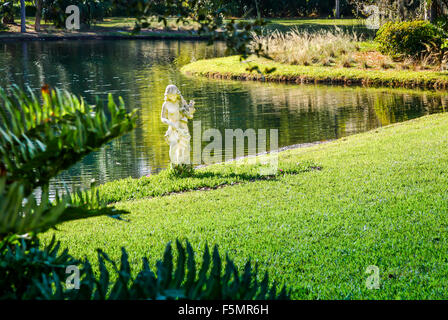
point(139, 71)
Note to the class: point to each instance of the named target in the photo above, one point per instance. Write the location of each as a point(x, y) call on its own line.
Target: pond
point(139, 71)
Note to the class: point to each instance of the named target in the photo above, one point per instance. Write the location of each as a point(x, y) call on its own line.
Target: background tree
point(38, 4)
point(401, 10)
point(7, 12)
point(22, 16)
point(433, 9)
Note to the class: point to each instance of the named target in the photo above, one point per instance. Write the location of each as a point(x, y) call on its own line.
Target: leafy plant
point(6, 13)
point(40, 139)
point(181, 170)
point(405, 39)
point(172, 280)
point(23, 261)
point(20, 214)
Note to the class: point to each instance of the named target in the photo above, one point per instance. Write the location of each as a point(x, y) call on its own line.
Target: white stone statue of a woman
point(175, 113)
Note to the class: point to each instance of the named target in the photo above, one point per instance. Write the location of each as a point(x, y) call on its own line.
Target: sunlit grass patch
point(207, 178)
point(380, 199)
point(232, 68)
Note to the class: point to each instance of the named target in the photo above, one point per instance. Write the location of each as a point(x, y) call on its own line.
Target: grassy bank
point(109, 28)
point(120, 27)
point(378, 198)
point(211, 177)
point(232, 68)
point(319, 24)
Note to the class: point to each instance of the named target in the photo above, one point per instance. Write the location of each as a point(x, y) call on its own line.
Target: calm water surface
point(140, 70)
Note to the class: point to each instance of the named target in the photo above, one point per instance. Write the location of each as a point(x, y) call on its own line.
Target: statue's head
point(172, 93)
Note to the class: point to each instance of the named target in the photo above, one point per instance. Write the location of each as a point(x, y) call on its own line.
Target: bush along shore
point(233, 69)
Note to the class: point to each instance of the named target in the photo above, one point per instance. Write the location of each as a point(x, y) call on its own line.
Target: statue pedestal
point(182, 170)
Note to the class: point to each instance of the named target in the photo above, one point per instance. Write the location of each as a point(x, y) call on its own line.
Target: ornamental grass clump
point(308, 48)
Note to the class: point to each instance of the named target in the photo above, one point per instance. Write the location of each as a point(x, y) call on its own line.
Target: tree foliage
point(401, 10)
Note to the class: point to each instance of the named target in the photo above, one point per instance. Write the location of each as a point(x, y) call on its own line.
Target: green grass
point(368, 46)
point(110, 22)
point(116, 22)
point(210, 177)
point(110, 25)
point(109, 28)
point(232, 68)
point(317, 24)
point(380, 198)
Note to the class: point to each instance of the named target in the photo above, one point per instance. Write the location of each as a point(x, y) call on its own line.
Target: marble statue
point(176, 113)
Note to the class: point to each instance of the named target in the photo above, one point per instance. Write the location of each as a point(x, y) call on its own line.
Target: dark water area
point(139, 71)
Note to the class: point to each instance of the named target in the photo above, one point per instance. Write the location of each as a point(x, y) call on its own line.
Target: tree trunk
point(338, 9)
point(22, 16)
point(38, 15)
point(431, 10)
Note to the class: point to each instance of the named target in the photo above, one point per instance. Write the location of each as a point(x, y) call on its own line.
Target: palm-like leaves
point(20, 215)
point(171, 280)
point(22, 263)
point(37, 141)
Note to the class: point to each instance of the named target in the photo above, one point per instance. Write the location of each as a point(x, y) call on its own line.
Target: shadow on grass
point(167, 183)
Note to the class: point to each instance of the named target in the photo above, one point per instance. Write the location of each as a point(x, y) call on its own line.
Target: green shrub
point(400, 39)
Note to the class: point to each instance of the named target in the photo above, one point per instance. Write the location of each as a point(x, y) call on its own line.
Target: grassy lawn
point(111, 22)
point(377, 198)
point(232, 68)
point(112, 25)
